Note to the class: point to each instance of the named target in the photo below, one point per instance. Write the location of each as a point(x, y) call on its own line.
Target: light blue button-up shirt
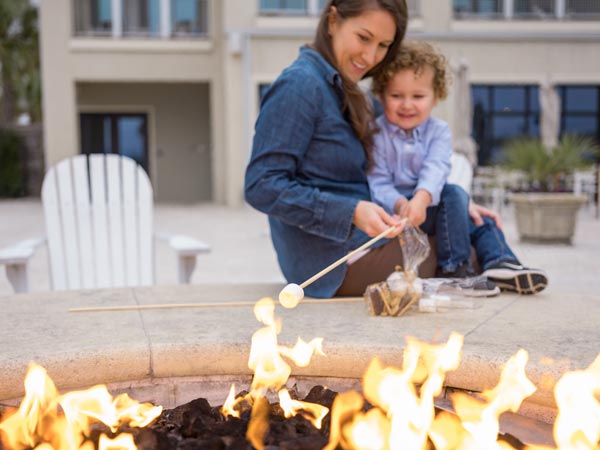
point(405, 163)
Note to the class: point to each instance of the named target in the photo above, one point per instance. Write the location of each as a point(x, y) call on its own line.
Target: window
point(582, 9)
point(92, 17)
point(580, 110)
point(123, 134)
point(527, 9)
point(141, 17)
point(189, 17)
point(502, 112)
point(284, 7)
point(534, 9)
point(479, 8)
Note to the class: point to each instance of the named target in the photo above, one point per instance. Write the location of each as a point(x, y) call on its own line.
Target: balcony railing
point(311, 7)
point(527, 9)
point(291, 7)
point(141, 18)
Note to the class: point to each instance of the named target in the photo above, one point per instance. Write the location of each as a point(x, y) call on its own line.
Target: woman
point(312, 149)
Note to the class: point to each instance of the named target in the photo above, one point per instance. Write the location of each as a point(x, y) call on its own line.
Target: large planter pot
point(546, 217)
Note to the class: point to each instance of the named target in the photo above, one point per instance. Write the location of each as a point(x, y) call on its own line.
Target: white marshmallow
point(291, 295)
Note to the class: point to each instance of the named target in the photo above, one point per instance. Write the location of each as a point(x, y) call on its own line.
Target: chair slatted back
point(98, 213)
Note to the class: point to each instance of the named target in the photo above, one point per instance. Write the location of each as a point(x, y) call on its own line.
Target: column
point(165, 19)
point(560, 9)
point(116, 7)
point(313, 7)
point(509, 9)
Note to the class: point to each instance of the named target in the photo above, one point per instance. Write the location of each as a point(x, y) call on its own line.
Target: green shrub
point(545, 168)
point(11, 165)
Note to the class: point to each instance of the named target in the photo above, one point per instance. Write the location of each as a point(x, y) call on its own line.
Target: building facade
point(176, 84)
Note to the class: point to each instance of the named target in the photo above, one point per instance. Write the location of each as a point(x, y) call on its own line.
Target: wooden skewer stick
point(343, 259)
point(207, 305)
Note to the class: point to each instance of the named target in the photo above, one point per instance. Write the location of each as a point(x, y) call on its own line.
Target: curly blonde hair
point(416, 55)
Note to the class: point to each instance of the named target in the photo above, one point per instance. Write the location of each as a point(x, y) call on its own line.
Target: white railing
point(527, 9)
point(141, 18)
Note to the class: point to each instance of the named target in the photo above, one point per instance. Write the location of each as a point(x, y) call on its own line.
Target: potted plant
point(545, 209)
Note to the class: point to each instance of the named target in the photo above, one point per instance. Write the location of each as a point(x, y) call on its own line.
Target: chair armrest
point(20, 252)
point(187, 249)
point(184, 245)
point(16, 259)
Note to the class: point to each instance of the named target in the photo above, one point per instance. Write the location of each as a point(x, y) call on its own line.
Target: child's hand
point(400, 205)
point(416, 208)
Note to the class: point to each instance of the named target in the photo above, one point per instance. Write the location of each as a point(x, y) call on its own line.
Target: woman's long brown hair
point(356, 106)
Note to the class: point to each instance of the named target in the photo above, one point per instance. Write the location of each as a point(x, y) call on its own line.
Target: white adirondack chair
point(98, 213)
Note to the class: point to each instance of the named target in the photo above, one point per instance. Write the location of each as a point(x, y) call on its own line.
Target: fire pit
point(160, 355)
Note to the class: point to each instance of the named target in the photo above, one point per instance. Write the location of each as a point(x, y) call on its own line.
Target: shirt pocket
point(412, 160)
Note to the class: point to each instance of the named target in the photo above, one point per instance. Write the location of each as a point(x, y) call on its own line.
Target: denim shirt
point(405, 163)
point(308, 172)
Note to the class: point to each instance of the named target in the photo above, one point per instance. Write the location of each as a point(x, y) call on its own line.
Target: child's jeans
point(455, 232)
point(490, 244)
point(449, 221)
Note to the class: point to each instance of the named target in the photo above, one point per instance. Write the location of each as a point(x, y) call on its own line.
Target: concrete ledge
point(137, 348)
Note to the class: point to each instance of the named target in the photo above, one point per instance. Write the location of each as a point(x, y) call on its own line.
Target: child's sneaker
point(465, 281)
point(515, 277)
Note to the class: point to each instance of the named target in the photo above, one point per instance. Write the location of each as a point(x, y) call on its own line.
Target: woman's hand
point(373, 220)
point(478, 212)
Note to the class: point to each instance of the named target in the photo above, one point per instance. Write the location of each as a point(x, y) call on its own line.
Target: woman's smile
point(360, 43)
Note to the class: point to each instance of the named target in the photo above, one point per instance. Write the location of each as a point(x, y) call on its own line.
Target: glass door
point(123, 134)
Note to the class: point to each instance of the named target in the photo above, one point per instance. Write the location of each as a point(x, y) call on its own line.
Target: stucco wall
point(178, 127)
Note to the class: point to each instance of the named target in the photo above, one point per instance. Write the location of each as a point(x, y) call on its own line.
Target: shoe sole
point(526, 282)
point(481, 292)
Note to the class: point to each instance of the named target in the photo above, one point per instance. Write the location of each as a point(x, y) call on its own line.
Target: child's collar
point(416, 133)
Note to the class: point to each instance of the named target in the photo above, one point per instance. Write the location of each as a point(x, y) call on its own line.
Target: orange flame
point(38, 423)
point(228, 408)
point(124, 441)
point(272, 372)
point(577, 426)
point(404, 418)
point(480, 418)
point(302, 352)
point(368, 431)
point(313, 412)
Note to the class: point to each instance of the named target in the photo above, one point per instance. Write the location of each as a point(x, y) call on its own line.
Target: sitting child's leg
point(451, 228)
point(500, 264)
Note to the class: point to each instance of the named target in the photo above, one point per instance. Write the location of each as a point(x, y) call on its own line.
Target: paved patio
point(242, 250)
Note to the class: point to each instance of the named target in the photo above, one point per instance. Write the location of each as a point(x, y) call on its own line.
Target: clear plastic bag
point(415, 248)
point(455, 287)
point(402, 288)
point(440, 303)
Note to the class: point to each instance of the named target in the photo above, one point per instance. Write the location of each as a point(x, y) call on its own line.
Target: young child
point(412, 155)
point(411, 166)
